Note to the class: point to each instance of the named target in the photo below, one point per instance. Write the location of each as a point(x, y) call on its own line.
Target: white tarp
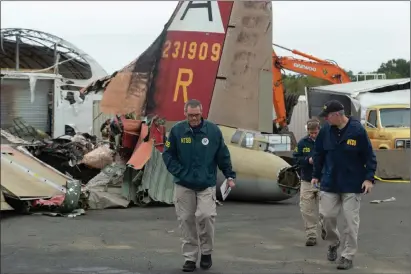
point(368, 99)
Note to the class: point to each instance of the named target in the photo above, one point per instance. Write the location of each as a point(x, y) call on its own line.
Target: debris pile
point(70, 174)
point(26, 183)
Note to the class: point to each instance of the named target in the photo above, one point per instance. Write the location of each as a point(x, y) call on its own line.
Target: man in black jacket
point(345, 163)
point(303, 156)
point(194, 149)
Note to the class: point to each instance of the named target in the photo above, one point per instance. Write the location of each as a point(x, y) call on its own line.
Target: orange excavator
point(315, 67)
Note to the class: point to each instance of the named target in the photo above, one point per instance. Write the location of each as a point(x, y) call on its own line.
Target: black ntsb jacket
point(301, 154)
point(193, 156)
point(343, 164)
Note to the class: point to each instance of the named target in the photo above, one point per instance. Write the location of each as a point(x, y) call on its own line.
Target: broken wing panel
point(245, 77)
point(190, 57)
point(3, 204)
point(25, 176)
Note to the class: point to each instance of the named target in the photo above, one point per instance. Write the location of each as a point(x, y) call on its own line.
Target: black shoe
point(189, 266)
point(311, 242)
point(344, 264)
point(332, 252)
point(206, 262)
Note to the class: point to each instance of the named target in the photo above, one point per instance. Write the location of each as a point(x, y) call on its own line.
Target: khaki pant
point(330, 206)
point(196, 211)
point(309, 208)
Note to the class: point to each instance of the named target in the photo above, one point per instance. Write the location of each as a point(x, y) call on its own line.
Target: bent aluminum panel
point(157, 180)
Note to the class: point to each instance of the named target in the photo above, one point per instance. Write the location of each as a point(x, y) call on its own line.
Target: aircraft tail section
point(218, 52)
point(242, 96)
point(190, 57)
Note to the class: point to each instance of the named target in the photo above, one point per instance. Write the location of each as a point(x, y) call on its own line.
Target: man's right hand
point(311, 160)
point(314, 182)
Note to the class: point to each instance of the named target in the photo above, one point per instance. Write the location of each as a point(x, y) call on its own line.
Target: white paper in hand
point(225, 189)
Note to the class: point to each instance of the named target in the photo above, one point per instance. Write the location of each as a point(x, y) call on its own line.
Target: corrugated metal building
point(16, 101)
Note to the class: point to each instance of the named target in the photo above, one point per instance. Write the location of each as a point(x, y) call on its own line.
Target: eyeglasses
point(191, 116)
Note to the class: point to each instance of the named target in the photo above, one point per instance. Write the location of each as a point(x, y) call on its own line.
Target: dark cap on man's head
point(331, 106)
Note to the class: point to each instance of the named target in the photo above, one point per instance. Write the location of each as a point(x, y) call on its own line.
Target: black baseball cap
point(331, 106)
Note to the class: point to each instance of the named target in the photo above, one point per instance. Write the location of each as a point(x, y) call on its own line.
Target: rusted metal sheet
point(126, 93)
point(245, 78)
point(25, 176)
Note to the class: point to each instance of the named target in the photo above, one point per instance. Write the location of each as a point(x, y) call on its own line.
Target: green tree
point(395, 68)
point(297, 83)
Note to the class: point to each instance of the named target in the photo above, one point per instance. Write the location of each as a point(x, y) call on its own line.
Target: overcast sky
point(359, 36)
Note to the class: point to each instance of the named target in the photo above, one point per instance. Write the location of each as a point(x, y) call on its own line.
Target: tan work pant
point(309, 208)
point(196, 211)
point(330, 206)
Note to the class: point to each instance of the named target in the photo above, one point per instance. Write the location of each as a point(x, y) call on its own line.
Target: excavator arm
point(315, 67)
point(278, 95)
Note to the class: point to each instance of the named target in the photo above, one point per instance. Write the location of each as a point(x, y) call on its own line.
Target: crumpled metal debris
point(62, 204)
point(21, 129)
point(66, 154)
point(53, 202)
point(104, 190)
point(85, 160)
point(13, 139)
point(111, 174)
point(71, 149)
point(86, 144)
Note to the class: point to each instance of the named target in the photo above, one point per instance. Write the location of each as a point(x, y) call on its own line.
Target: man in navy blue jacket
point(303, 156)
point(345, 163)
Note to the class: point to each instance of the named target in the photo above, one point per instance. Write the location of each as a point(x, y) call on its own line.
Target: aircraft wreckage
point(218, 52)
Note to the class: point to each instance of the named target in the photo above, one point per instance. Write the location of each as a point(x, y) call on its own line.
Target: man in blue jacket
point(303, 156)
point(345, 163)
point(194, 149)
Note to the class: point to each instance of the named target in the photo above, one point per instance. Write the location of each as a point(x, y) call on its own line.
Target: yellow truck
point(388, 126)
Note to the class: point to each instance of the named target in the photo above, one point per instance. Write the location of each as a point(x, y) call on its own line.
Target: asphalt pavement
point(250, 238)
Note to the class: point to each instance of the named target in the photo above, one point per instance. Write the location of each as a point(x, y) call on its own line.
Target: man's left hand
point(367, 186)
point(230, 183)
